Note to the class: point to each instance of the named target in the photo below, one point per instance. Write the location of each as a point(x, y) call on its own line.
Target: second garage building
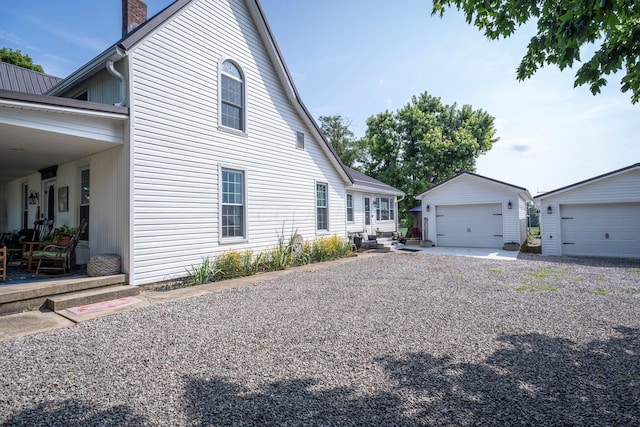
point(597, 217)
point(471, 210)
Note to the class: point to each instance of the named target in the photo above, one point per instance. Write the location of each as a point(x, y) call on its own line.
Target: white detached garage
point(471, 210)
point(597, 217)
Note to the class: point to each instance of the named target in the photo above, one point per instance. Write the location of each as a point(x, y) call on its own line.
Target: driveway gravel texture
point(392, 339)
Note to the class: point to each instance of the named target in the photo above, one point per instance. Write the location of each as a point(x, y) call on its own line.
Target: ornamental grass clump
point(201, 274)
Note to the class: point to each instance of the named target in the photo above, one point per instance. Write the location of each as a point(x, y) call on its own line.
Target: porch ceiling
point(25, 151)
point(39, 131)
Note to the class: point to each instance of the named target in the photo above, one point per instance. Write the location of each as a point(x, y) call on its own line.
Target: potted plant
point(62, 235)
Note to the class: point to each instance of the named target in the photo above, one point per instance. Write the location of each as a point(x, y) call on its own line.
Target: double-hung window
point(349, 208)
point(232, 204)
point(384, 209)
point(232, 104)
point(322, 207)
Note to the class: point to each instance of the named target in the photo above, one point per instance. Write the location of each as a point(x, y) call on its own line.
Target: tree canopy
point(426, 142)
point(16, 57)
point(336, 129)
point(564, 27)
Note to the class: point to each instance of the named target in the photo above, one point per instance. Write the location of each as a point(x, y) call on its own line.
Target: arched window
point(232, 109)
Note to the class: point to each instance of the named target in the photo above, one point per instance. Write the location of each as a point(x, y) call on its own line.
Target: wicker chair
point(56, 257)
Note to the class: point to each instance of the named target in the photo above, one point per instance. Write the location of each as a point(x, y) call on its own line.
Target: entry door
point(367, 213)
point(48, 202)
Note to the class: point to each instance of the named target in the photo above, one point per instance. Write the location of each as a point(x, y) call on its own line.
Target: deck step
point(90, 296)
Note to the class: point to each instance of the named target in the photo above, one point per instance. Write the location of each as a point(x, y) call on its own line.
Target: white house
point(371, 205)
point(596, 217)
point(185, 138)
point(471, 210)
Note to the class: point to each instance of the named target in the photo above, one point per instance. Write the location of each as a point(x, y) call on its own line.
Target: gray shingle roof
point(18, 79)
point(366, 181)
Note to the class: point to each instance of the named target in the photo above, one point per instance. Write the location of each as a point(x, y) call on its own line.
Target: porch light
point(33, 198)
point(549, 210)
point(428, 208)
point(509, 205)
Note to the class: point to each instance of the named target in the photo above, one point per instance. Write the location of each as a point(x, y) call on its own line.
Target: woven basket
point(103, 265)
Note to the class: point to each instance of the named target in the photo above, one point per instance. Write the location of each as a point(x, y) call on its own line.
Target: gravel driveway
point(394, 339)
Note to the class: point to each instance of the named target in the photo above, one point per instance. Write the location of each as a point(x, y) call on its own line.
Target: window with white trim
point(322, 206)
point(85, 199)
point(25, 205)
point(232, 108)
point(349, 208)
point(232, 204)
point(384, 209)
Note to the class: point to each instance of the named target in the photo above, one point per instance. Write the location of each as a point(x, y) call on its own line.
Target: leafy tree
point(16, 57)
point(564, 27)
point(426, 142)
point(336, 129)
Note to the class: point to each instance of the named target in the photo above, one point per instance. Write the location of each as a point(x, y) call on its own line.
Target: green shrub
point(232, 264)
point(327, 248)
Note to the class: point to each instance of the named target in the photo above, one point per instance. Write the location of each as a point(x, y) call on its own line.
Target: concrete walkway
point(488, 253)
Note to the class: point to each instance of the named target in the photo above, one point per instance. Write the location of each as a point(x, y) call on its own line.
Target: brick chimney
point(134, 13)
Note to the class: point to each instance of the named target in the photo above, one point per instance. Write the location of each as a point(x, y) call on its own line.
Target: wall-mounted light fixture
point(33, 197)
point(509, 205)
point(549, 210)
point(428, 208)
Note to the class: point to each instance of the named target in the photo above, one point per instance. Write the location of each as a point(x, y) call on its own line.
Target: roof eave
point(586, 182)
point(96, 64)
point(376, 190)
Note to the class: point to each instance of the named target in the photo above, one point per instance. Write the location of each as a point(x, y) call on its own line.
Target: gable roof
point(117, 50)
point(365, 182)
point(18, 79)
point(588, 181)
point(520, 190)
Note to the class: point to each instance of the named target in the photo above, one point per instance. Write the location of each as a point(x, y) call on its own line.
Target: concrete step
point(33, 296)
point(91, 296)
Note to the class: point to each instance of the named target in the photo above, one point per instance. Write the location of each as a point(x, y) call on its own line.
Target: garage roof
point(520, 190)
point(587, 181)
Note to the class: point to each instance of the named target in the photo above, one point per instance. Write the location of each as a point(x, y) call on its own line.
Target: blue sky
point(357, 58)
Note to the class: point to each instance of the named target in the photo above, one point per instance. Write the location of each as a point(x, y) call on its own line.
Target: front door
point(367, 215)
point(48, 200)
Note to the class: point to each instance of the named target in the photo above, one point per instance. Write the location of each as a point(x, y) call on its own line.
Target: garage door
point(608, 230)
point(474, 226)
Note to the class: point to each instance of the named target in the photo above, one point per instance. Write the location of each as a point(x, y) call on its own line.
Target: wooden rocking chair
point(56, 257)
point(41, 237)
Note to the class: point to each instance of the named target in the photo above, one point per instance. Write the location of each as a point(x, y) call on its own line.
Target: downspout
point(115, 73)
point(398, 209)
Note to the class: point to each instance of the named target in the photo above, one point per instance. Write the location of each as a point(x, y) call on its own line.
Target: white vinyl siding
point(177, 146)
